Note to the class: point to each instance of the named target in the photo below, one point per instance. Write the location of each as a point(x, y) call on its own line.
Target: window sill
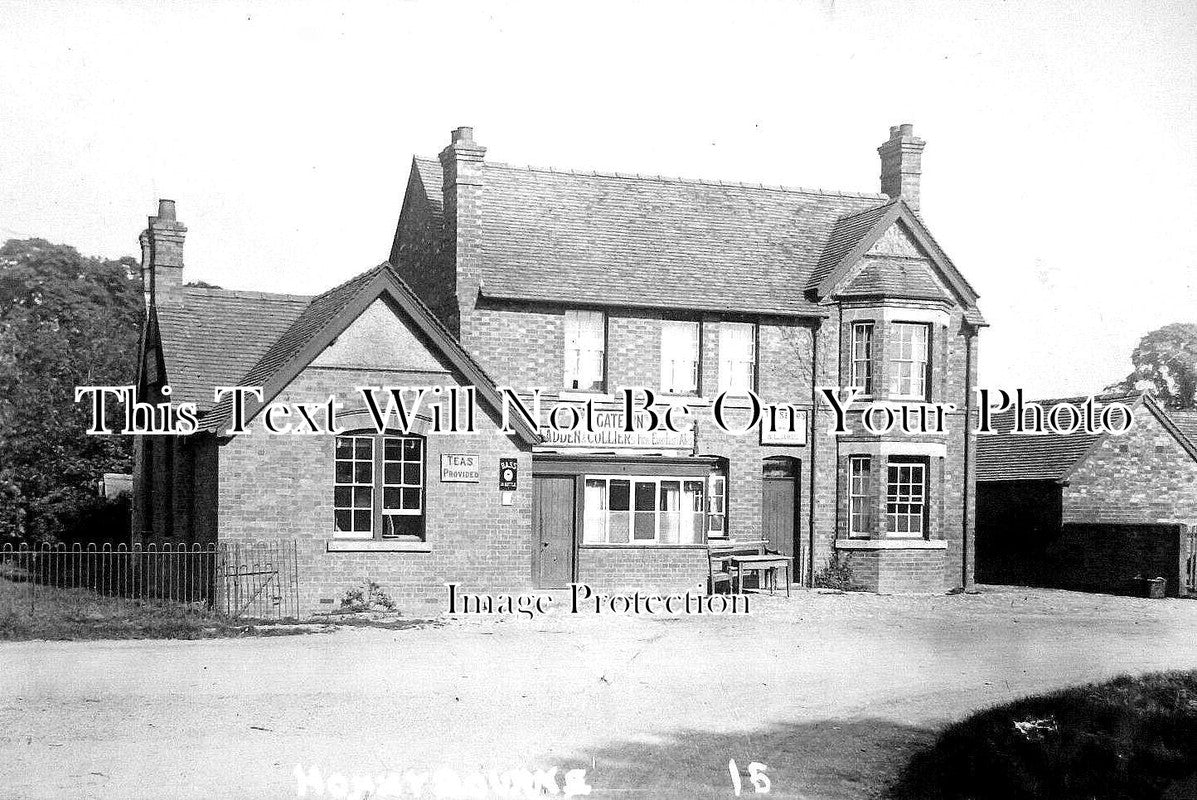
point(585, 394)
point(639, 546)
point(376, 546)
point(890, 544)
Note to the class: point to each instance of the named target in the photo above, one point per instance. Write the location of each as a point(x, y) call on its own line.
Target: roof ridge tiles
point(687, 181)
point(246, 294)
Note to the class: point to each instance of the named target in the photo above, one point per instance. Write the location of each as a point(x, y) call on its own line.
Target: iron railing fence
point(257, 580)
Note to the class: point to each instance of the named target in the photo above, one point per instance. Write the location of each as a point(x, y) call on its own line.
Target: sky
point(1060, 172)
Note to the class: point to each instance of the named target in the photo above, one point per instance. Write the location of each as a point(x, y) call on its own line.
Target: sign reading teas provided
point(459, 468)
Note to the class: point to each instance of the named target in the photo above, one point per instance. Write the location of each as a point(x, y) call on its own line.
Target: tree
point(1165, 361)
point(65, 321)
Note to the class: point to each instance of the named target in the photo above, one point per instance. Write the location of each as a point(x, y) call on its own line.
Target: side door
point(553, 531)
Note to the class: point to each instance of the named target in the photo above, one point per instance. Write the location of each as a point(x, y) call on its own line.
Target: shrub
point(837, 574)
point(368, 597)
point(1127, 738)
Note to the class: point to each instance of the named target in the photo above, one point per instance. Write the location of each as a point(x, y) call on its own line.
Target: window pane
point(362, 497)
point(646, 496)
point(392, 473)
point(341, 495)
point(363, 447)
point(411, 474)
point(344, 472)
point(646, 525)
point(411, 499)
point(618, 531)
point(620, 495)
point(362, 472)
point(361, 520)
point(342, 521)
point(594, 510)
point(412, 449)
point(679, 356)
point(390, 499)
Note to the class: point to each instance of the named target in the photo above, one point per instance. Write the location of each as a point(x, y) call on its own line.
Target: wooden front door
point(779, 505)
point(553, 531)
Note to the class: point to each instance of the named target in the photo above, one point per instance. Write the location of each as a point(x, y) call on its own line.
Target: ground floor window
point(906, 497)
point(644, 510)
point(860, 496)
point(378, 487)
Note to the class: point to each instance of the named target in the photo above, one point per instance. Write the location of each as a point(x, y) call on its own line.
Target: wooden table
point(761, 563)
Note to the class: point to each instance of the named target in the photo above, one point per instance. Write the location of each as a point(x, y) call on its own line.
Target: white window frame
point(596, 527)
point(908, 497)
point(378, 485)
point(863, 342)
point(585, 351)
point(681, 345)
point(907, 371)
point(861, 497)
point(732, 365)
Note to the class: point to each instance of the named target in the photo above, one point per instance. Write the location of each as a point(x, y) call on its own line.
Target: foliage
point(65, 321)
point(1165, 361)
point(836, 574)
point(1128, 738)
point(368, 597)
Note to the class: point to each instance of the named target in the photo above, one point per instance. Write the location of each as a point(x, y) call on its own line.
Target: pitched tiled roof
point(895, 277)
point(1186, 421)
point(1003, 456)
point(214, 336)
point(648, 241)
point(848, 232)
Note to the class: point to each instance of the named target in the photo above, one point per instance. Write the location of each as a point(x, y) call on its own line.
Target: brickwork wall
point(662, 570)
point(418, 258)
point(1142, 476)
point(276, 487)
point(898, 571)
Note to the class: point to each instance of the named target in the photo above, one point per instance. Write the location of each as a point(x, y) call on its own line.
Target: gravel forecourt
point(830, 693)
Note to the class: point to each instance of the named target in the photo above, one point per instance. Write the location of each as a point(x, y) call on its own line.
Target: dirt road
point(830, 692)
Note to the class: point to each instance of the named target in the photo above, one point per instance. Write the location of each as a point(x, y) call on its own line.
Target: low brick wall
point(898, 571)
point(657, 569)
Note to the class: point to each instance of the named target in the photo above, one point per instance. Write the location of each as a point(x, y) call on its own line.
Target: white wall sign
point(786, 429)
point(459, 468)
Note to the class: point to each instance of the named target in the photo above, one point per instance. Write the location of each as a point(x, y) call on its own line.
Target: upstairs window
point(862, 357)
point(908, 366)
point(378, 487)
point(737, 357)
point(679, 357)
point(585, 350)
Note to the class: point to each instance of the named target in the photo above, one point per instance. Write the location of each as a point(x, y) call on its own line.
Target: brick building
point(583, 284)
point(1083, 511)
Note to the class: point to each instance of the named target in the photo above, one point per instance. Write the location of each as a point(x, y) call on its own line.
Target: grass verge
point(1127, 738)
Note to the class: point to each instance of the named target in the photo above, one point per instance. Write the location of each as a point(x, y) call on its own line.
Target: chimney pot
point(902, 164)
point(464, 135)
point(166, 210)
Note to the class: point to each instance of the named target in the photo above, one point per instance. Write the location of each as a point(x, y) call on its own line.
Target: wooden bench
point(718, 552)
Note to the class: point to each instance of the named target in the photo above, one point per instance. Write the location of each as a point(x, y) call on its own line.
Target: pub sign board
point(508, 474)
point(460, 468)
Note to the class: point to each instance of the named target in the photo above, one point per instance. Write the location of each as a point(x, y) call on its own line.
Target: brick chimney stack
point(461, 163)
point(902, 164)
point(162, 256)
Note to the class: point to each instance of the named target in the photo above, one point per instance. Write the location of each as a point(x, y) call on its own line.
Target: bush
point(368, 597)
point(1128, 738)
point(837, 574)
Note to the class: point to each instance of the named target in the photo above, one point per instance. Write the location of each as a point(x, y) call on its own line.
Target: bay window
point(737, 357)
point(679, 357)
point(585, 350)
point(378, 487)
